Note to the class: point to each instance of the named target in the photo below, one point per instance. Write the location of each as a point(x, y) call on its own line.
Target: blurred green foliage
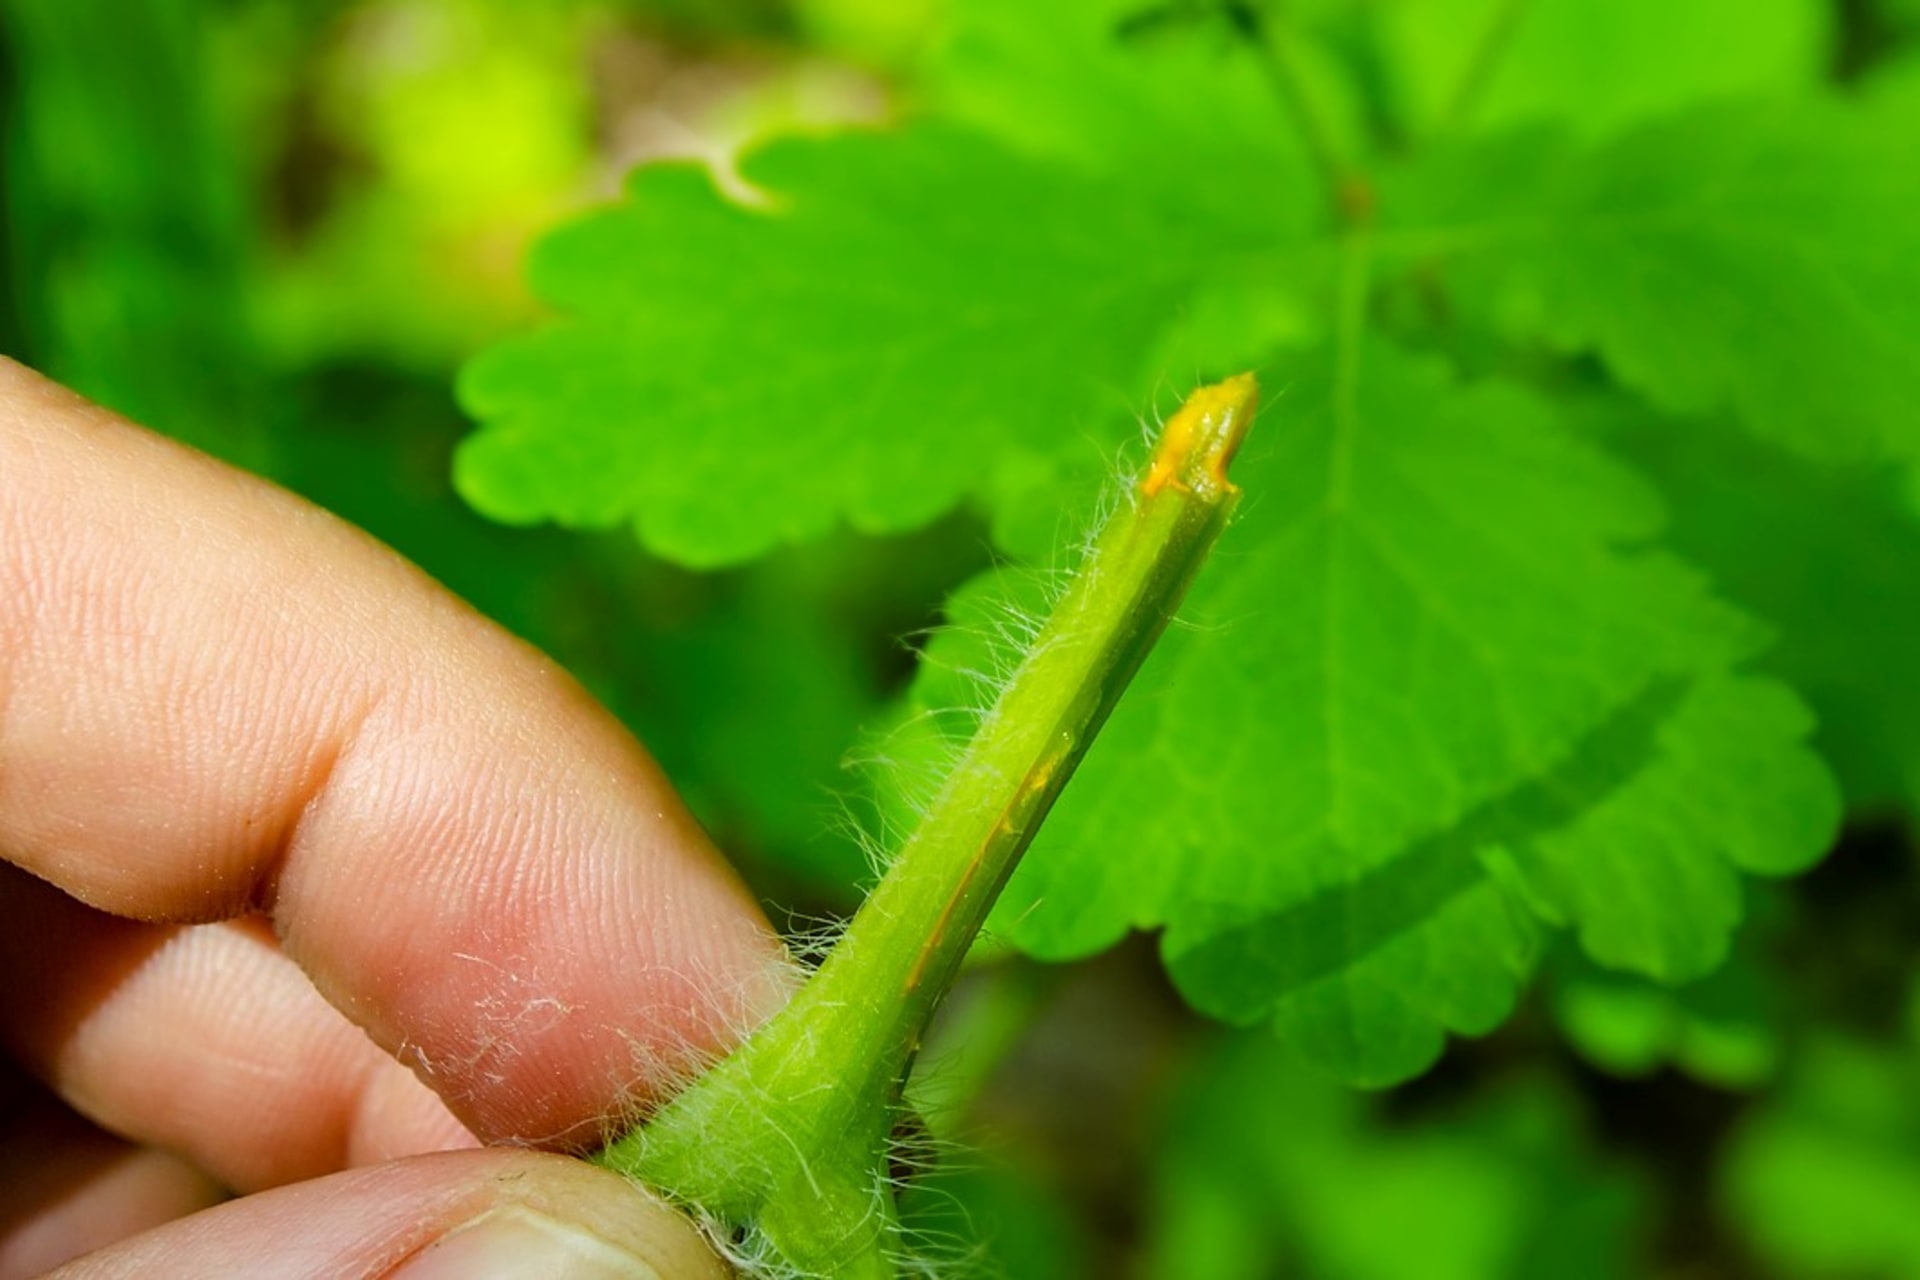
point(1827, 1171)
point(1264, 1162)
point(275, 230)
point(129, 217)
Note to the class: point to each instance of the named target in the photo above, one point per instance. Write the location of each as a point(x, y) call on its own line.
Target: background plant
point(1575, 574)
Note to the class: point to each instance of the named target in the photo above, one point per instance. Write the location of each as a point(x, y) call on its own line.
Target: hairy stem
point(782, 1145)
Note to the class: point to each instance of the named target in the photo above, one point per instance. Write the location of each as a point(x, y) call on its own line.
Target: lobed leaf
point(1725, 1030)
point(910, 313)
point(1433, 701)
point(1827, 556)
point(1568, 62)
point(1763, 260)
point(1183, 109)
point(1441, 698)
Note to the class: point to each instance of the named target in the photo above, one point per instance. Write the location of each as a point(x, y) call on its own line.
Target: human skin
point(310, 871)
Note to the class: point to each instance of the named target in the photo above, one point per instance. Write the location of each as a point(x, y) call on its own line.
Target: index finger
point(217, 700)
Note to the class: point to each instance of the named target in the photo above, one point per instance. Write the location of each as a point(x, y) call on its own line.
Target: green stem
point(781, 1146)
point(1347, 191)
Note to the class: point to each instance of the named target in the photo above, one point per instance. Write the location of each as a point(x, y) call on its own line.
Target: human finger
point(67, 1187)
point(217, 700)
point(443, 1217)
point(202, 1039)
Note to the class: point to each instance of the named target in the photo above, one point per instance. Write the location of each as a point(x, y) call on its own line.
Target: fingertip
point(604, 1229)
point(222, 701)
point(478, 1213)
point(517, 1241)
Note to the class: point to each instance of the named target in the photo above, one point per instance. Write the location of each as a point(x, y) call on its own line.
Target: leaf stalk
point(1348, 192)
point(781, 1146)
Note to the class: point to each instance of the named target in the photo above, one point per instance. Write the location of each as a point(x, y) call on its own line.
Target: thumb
point(497, 1214)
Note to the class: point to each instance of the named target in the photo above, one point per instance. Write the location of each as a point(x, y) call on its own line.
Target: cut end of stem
point(1198, 444)
point(785, 1141)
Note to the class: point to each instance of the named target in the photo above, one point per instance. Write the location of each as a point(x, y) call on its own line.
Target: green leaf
point(909, 312)
point(1441, 699)
point(1723, 1030)
point(1891, 89)
point(1596, 66)
point(1825, 555)
point(1763, 260)
point(1430, 704)
point(1186, 112)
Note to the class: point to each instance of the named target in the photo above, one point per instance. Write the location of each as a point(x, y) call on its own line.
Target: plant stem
point(782, 1145)
point(1347, 191)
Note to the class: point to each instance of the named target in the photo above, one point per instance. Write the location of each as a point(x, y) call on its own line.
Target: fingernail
point(517, 1243)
